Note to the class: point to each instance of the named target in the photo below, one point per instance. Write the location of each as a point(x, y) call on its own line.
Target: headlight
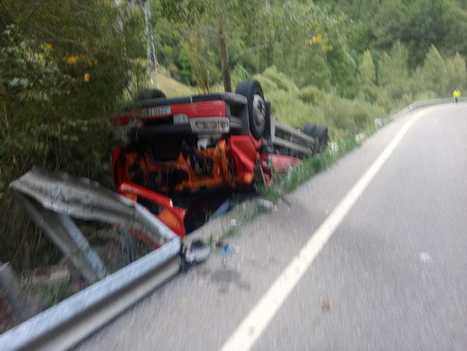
point(210, 125)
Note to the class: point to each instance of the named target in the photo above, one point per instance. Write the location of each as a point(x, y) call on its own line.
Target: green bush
point(238, 74)
point(287, 106)
point(290, 109)
point(281, 80)
point(456, 70)
point(267, 84)
point(312, 105)
point(311, 95)
point(434, 73)
point(347, 117)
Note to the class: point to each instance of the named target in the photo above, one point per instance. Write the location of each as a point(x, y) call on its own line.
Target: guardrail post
point(10, 286)
point(66, 235)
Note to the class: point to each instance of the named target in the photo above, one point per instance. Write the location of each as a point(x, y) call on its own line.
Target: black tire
point(310, 129)
point(257, 111)
point(319, 133)
point(150, 94)
point(323, 138)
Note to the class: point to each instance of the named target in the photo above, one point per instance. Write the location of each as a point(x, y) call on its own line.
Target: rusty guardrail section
point(52, 200)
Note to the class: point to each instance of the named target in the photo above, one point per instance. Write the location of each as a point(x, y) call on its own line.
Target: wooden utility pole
point(224, 57)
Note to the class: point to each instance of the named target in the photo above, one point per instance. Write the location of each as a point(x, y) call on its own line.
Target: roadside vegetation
point(65, 67)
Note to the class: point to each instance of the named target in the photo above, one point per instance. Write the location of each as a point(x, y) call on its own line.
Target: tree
point(367, 69)
point(434, 73)
point(393, 65)
point(64, 68)
point(456, 72)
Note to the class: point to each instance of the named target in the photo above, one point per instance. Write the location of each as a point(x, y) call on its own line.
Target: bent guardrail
point(52, 200)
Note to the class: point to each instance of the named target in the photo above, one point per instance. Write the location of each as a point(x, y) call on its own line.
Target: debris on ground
point(360, 137)
point(197, 252)
point(379, 122)
point(326, 305)
point(265, 205)
point(226, 250)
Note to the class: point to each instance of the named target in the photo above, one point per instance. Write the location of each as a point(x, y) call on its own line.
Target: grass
point(245, 216)
point(173, 88)
point(308, 168)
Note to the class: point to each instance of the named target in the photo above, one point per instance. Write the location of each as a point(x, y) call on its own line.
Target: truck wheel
point(149, 94)
point(323, 138)
point(319, 133)
point(257, 111)
point(310, 129)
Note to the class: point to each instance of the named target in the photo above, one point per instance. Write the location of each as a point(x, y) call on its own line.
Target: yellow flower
point(71, 59)
point(316, 39)
point(47, 46)
point(87, 77)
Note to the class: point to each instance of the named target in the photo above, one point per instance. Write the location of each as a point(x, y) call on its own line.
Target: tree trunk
point(150, 42)
point(224, 57)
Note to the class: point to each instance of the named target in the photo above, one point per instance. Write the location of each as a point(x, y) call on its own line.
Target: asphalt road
point(392, 276)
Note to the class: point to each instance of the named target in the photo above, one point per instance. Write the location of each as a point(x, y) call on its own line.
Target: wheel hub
point(259, 112)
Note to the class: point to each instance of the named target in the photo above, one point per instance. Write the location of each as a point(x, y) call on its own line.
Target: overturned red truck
point(183, 145)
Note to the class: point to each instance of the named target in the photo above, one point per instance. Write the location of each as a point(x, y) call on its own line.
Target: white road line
point(261, 315)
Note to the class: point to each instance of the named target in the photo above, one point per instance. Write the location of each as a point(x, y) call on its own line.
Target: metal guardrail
point(431, 102)
point(69, 322)
point(52, 200)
